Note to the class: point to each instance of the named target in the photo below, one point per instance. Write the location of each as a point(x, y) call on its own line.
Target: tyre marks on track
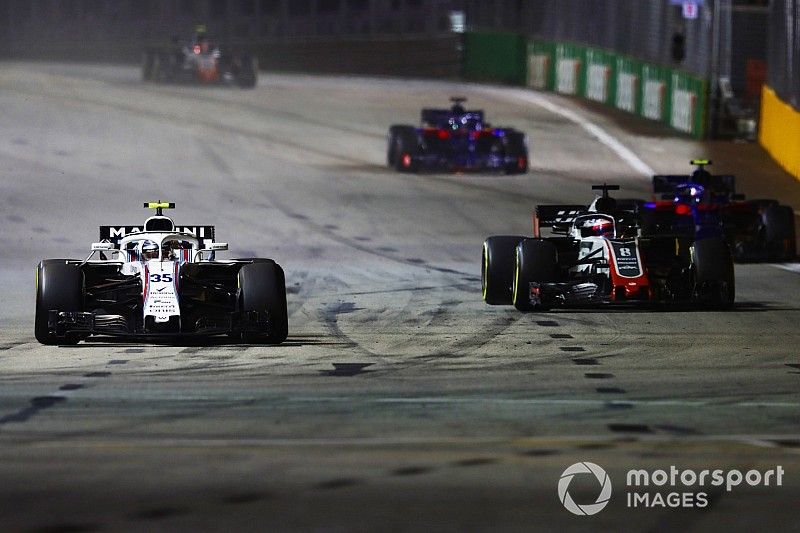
point(37, 404)
point(323, 229)
point(610, 390)
point(594, 361)
point(10, 345)
point(347, 369)
point(190, 121)
point(627, 427)
point(465, 346)
point(290, 116)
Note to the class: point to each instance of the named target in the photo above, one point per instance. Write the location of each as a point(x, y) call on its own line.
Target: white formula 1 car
point(159, 280)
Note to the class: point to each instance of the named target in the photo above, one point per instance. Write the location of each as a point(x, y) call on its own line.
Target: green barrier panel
point(628, 85)
point(655, 92)
point(688, 103)
point(495, 56)
point(673, 97)
point(541, 66)
point(570, 69)
point(600, 76)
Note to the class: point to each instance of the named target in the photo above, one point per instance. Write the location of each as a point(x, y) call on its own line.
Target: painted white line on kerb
point(791, 267)
point(624, 153)
point(762, 441)
point(547, 402)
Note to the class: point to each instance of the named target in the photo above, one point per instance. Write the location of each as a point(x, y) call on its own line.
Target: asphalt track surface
point(400, 401)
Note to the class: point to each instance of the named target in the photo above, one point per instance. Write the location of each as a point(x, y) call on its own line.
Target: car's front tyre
point(497, 268)
point(536, 261)
point(714, 281)
point(403, 148)
point(263, 292)
point(59, 286)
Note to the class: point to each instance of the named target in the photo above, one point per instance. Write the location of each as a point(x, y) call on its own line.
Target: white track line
point(791, 267)
point(543, 401)
point(152, 442)
point(601, 135)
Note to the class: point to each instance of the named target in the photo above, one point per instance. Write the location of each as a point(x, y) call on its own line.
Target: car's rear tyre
point(157, 73)
point(516, 148)
point(536, 261)
point(497, 268)
point(762, 203)
point(779, 232)
point(59, 286)
point(402, 149)
point(147, 65)
point(263, 290)
point(714, 280)
point(248, 73)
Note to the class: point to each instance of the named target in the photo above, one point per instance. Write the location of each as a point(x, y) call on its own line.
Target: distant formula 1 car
point(199, 60)
point(600, 255)
point(704, 205)
point(457, 140)
point(159, 280)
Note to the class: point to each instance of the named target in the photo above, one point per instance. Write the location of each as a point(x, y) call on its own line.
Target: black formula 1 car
point(600, 255)
point(456, 140)
point(703, 205)
point(159, 280)
point(201, 61)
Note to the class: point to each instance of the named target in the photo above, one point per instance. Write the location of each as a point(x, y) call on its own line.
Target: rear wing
point(558, 217)
point(115, 234)
point(668, 184)
point(435, 117)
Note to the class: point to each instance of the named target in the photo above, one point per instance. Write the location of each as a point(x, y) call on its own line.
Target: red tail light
point(488, 134)
point(683, 209)
point(438, 133)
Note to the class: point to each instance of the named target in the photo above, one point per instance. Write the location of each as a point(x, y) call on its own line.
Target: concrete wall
point(401, 37)
point(422, 57)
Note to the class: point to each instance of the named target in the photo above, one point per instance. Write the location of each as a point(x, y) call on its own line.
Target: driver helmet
point(598, 227)
point(701, 176)
point(201, 40)
point(170, 250)
point(149, 250)
point(605, 204)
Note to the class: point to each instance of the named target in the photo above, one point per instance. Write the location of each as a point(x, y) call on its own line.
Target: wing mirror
point(214, 247)
point(103, 247)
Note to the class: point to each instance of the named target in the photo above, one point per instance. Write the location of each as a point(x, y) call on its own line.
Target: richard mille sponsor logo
point(662, 488)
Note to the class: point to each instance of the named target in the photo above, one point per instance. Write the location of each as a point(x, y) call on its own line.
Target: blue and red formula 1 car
point(457, 140)
point(704, 205)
